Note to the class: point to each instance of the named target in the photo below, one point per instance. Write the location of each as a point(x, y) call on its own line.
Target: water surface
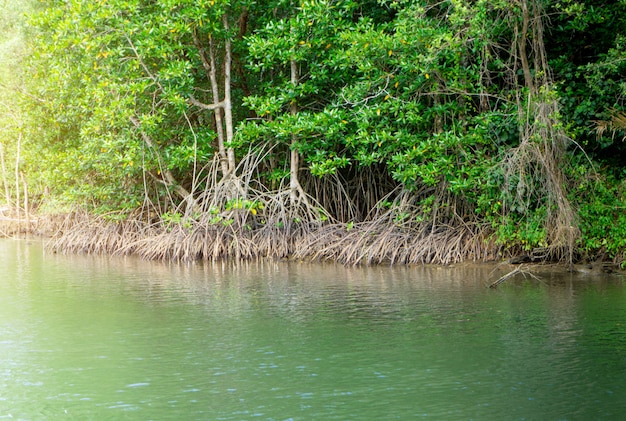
point(85, 337)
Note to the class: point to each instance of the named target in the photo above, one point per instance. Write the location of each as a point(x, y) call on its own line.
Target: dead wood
point(503, 278)
point(518, 270)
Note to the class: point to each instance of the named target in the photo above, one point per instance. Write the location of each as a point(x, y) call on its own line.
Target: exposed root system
point(266, 225)
point(372, 242)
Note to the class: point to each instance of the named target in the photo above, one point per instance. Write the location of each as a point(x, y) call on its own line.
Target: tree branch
point(167, 178)
point(210, 107)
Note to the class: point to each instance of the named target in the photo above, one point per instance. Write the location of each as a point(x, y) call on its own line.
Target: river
point(99, 338)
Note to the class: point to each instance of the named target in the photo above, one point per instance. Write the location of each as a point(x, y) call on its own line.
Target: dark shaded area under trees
point(365, 132)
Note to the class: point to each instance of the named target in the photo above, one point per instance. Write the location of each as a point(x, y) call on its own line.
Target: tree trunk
point(17, 176)
point(210, 66)
point(521, 40)
point(294, 183)
point(26, 206)
point(219, 112)
point(5, 182)
point(228, 104)
point(222, 109)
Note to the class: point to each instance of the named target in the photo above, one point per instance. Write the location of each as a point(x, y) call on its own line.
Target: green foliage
point(111, 63)
point(527, 231)
point(13, 121)
point(589, 62)
point(426, 96)
point(403, 95)
point(602, 205)
point(313, 37)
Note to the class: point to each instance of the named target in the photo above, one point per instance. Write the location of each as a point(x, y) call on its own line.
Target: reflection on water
point(118, 338)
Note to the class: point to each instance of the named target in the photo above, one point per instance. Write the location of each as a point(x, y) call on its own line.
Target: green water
point(117, 338)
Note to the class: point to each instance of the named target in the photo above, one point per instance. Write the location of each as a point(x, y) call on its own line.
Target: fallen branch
point(505, 277)
point(511, 274)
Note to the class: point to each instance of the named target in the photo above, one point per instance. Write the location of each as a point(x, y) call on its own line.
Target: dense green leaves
point(450, 100)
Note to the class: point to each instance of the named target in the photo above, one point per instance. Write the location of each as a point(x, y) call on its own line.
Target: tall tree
point(13, 50)
point(137, 98)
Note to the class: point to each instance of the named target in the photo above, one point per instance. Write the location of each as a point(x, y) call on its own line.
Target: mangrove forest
point(375, 131)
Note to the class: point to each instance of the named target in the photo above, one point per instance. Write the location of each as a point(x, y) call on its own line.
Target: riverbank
point(377, 242)
point(17, 225)
point(373, 242)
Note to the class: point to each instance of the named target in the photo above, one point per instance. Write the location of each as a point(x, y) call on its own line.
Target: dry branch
point(511, 274)
point(505, 277)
